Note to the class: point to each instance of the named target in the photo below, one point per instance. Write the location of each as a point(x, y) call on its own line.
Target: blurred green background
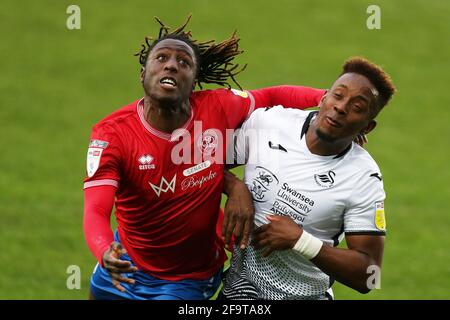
point(56, 83)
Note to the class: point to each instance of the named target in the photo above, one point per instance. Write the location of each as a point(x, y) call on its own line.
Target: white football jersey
point(327, 195)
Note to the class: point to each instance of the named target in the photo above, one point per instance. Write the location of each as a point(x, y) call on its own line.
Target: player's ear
point(372, 124)
point(324, 96)
point(142, 76)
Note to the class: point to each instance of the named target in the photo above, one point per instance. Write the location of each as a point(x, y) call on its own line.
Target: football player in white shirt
point(311, 186)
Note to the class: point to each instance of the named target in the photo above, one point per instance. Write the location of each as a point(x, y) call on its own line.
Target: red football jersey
point(169, 185)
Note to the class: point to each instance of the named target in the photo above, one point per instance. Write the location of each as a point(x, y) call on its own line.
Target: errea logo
point(146, 162)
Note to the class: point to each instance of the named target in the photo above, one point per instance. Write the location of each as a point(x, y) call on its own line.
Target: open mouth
point(168, 82)
point(333, 122)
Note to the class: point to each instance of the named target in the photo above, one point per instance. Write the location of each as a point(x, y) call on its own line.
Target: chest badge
point(325, 180)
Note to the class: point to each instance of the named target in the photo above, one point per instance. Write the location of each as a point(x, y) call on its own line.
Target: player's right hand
point(115, 266)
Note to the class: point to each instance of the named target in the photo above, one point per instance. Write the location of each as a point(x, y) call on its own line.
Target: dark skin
point(345, 111)
point(166, 108)
point(166, 105)
point(116, 267)
point(239, 211)
point(168, 80)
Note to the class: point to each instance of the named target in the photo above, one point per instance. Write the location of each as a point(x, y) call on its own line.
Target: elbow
point(363, 286)
point(363, 290)
point(360, 286)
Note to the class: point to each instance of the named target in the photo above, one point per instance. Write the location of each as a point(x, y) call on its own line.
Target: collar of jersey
point(160, 134)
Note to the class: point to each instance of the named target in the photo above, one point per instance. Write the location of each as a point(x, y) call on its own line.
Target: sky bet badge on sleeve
point(93, 155)
point(380, 220)
point(240, 93)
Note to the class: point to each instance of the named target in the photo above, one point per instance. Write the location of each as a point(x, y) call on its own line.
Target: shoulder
point(115, 120)
point(223, 92)
point(362, 161)
point(220, 95)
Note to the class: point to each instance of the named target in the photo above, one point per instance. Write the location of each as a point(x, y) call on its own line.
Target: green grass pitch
point(56, 83)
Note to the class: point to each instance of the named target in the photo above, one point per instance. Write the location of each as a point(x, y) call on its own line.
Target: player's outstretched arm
point(298, 97)
point(288, 96)
point(348, 266)
point(239, 210)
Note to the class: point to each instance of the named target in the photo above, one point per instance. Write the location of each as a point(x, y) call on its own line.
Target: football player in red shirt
point(159, 160)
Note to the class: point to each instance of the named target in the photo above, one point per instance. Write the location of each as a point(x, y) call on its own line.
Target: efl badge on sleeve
point(380, 220)
point(93, 160)
point(93, 155)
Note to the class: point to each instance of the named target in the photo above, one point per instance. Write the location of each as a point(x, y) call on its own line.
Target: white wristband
point(308, 245)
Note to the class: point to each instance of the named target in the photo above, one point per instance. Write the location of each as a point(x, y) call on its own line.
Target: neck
point(323, 147)
point(166, 117)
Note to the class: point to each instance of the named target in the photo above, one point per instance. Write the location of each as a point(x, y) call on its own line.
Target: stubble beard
point(325, 137)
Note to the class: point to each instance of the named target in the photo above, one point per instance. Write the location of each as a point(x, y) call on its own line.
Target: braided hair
point(214, 60)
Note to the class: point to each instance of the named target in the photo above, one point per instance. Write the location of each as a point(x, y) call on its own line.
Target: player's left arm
point(299, 97)
point(238, 105)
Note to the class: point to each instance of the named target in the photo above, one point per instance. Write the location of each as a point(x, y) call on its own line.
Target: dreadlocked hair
point(214, 60)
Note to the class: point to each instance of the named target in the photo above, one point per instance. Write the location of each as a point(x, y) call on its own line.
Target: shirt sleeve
point(238, 105)
point(103, 158)
point(98, 204)
point(366, 208)
point(297, 97)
